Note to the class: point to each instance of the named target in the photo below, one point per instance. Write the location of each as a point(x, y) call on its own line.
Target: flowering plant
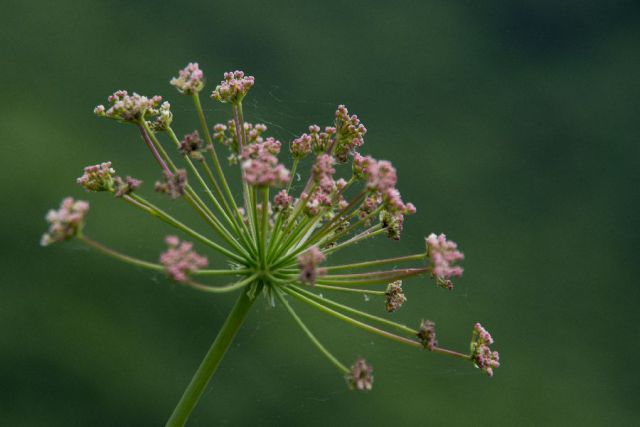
point(276, 246)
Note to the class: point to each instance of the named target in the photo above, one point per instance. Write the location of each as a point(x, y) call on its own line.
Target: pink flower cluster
point(190, 79)
point(360, 376)
point(125, 186)
point(282, 201)
point(443, 254)
point(191, 143)
point(308, 263)
point(350, 133)
point(233, 88)
point(301, 146)
point(97, 177)
point(180, 259)
point(174, 184)
point(260, 165)
point(129, 108)
point(65, 222)
point(483, 357)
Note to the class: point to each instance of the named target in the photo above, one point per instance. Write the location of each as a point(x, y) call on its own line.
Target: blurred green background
point(514, 127)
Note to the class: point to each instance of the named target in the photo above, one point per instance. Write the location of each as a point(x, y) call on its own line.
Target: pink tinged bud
point(323, 168)
point(191, 143)
point(301, 146)
point(308, 263)
point(132, 108)
point(264, 170)
point(97, 177)
point(427, 334)
point(443, 255)
point(233, 88)
point(180, 259)
point(282, 201)
point(66, 222)
point(481, 354)
point(381, 176)
point(173, 184)
point(360, 376)
point(125, 186)
point(190, 79)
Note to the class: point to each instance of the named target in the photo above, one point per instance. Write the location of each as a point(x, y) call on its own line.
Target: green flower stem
point(408, 258)
point(154, 150)
point(245, 233)
point(451, 353)
point(373, 281)
point(291, 238)
point(241, 138)
point(310, 335)
point(221, 289)
point(292, 174)
point(264, 222)
point(289, 259)
point(301, 235)
point(349, 290)
point(298, 208)
point(191, 197)
point(215, 223)
point(322, 300)
point(223, 208)
point(372, 329)
point(211, 361)
point(274, 235)
point(381, 274)
point(119, 256)
point(205, 272)
point(355, 225)
point(335, 221)
point(214, 156)
point(371, 232)
point(150, 208)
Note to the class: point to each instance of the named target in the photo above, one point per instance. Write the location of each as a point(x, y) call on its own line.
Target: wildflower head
point(301, 146)
point(282, 201)
point(66, 222)
point(483, 357)
point(191, 143)
point(360, 376)
point(173, 184)
point(393, 223)
point(97, 177)
point(180, 260)
point(125, 186)
point(308, 263)
point(350, 133)
point(443, 254)
point(264, 170)
point(190, 79)
point(275, 242)
point(394, 297)
point(427, 334)
point(233, 88)
point(129, 108)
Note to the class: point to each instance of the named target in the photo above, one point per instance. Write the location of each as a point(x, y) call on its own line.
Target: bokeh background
point(514, 126)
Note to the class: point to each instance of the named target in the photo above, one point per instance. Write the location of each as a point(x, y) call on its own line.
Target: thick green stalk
point(211, 361)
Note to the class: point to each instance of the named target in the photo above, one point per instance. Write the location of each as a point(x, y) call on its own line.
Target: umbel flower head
point(280, 240)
